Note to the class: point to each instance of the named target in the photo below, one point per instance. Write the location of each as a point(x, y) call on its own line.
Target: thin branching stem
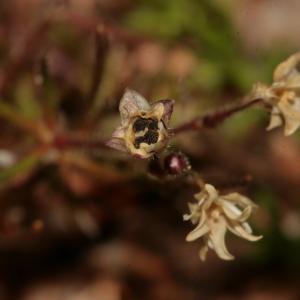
point(213, 119)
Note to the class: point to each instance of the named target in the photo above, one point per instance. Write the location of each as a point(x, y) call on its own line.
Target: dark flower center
point(150, 126)
point(142, 123)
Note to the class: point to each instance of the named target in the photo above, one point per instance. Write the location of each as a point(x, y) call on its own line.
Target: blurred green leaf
point(21, 167)
point(26, 101)
point(9, 113)
point(237, 126)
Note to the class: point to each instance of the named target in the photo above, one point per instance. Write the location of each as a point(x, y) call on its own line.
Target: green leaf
point(21, 167)
point(26, 101)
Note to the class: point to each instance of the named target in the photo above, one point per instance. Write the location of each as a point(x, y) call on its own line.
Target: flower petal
point(275, 120)
point(195, 213)
point(217, 236)
point(234, 213)
point(289, 106)
point(158, 110)
point(118, 133)
point(199, 231)
point(288, 68)
point(203, 252)
point(239, 199)
point(290, 126)
point(201, 197)
point(168, 110)
point(117, 144)
point(241, 231)
point(131, 104)
point(211, 196)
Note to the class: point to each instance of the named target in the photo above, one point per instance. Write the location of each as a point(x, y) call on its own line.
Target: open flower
point(214, 215)
point(283, 95)
point(144, 127)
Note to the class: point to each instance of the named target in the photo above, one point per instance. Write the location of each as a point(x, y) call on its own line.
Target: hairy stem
point(213, 119)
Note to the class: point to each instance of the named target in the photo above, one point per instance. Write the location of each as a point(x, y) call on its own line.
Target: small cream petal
point(210, 243)
point(212, 192)
point(197, 232)
point(217, 236)
point(287, 68)
point(187, 217)
point(119, 133)
point(290, 126)
point(245, 214)
point(168, 110)
point(275, 121)
point(209, 195)
point(201, 197)
point(117, 144)
point(201, 218)
point(194, 215)
point(203, 252)
point(131, 104)
point(234, 213)
point(229, 209)
point(247, 227)
point(239, 199)
point(240, 231)
point(158, 110)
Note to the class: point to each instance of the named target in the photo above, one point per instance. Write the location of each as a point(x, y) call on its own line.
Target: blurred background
point(80, 222)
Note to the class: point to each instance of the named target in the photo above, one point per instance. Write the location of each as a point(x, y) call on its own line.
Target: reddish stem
point(63, 142)
point(212, 119)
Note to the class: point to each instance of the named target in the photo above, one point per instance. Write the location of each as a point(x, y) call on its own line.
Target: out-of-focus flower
point(283, 95)
point(176, 163)
point(214, 214)
point(144, 128)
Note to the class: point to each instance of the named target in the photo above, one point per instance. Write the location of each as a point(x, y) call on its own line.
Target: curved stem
point(213, 119)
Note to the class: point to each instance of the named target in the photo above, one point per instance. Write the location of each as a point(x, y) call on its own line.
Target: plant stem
point(63, 142)
point(213, 119)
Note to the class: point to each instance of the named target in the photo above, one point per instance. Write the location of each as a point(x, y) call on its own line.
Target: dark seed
point(153, 124)
point(140, 124)
point(151, 137)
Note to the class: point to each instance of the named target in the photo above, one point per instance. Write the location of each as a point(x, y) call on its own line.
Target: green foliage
point(206, 27)
point(238, 125)
point(26, 101)
point(22, 167)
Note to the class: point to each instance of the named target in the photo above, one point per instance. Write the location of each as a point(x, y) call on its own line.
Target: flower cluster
point(144, 128)
point(144, 132)
point(283, 95)
point(214, 215)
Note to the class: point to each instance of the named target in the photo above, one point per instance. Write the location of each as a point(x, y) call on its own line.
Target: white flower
point(283, 95)
point(144, 127)
point(214, 215)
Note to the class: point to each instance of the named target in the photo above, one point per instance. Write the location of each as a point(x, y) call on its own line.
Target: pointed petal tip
point(256, 238)
point(186, 217)
point(228, 258)
point(290, 131)
point(119, 132)
point(131, 103)
point(168, 106)
point(117, 144)
point(190, 237)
